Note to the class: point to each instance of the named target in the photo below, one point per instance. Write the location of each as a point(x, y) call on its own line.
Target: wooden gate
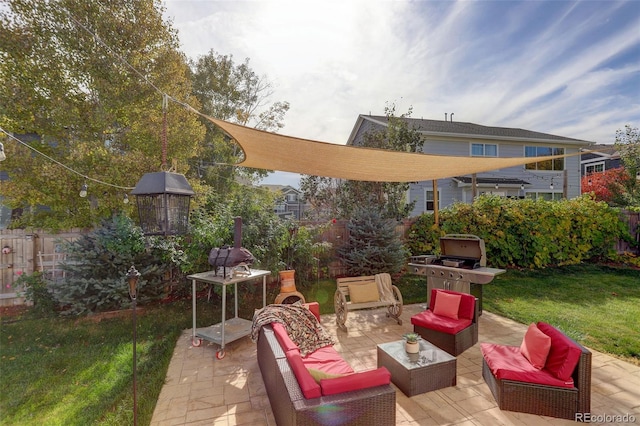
point(24, 252)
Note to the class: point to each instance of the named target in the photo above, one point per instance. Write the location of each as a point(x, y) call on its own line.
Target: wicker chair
point(541, 399)
point(456, 343)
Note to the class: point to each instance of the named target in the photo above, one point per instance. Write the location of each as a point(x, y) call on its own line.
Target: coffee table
point(430, 369)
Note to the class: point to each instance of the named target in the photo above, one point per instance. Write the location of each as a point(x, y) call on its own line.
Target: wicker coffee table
point(426, 371)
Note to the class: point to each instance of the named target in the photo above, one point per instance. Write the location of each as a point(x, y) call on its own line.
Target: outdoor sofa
point(319, 387)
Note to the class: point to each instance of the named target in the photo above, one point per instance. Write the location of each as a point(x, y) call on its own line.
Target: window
point(484, 150)
point(429, 205)
point(541, 151)
point(594, 168)
point(292, 198)
point(549, 196)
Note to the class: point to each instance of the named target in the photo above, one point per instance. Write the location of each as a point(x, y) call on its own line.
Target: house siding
point(450, 191)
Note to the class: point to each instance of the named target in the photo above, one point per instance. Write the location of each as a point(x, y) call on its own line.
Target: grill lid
point(463, 246)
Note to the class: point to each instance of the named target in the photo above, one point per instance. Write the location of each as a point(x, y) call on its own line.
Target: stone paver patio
point(201, 390)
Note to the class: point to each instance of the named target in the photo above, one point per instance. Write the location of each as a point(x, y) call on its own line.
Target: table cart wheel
point(220, 354)
point(395, 311)
point(195, 342)
point(340, 306)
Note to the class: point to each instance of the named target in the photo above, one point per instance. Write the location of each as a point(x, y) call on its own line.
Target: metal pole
point(135, 397)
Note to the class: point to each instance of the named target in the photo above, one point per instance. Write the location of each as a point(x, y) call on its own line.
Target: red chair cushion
point(328, 360)
point(283, 337)
point(563, 355)
point(535, 346)
point(428, 319)
point(507, 363)
point(467, 303)
point(447, 305)
point(310, 388)
point(356, 381)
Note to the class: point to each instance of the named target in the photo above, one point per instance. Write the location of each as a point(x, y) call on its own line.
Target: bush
point(530, 233)
point(96, 268)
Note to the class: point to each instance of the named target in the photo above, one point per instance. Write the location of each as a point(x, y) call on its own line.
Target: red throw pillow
point(447, 305)
point(535, 346)
point(564, 354)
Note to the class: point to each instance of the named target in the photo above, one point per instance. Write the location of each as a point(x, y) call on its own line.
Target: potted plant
point(411, 344)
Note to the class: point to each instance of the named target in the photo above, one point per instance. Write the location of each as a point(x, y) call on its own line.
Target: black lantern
point(163, 203)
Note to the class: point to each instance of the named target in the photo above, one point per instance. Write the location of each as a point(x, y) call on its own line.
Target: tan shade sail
point(271, 151)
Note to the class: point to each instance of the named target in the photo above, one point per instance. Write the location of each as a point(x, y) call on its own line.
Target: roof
point(463, 129)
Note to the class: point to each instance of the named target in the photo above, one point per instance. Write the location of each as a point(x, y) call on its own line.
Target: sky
point(569, 68)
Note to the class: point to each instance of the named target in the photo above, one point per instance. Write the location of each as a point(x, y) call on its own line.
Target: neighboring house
point(290, 204)
point(550, 180)
point(606, 158)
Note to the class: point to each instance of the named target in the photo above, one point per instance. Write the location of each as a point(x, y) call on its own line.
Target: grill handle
point(463, 236)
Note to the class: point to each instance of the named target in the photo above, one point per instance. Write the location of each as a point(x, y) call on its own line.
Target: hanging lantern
point(163, 203)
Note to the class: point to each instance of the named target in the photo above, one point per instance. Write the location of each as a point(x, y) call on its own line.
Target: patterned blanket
point(301, 325)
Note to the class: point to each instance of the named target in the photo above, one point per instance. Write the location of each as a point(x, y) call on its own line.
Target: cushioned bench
point(365, 292)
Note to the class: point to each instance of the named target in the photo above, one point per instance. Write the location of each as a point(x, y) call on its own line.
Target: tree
point(231, 92)
point(341, 198)
point(373, 246)
point(81, 84)
point(628, 145)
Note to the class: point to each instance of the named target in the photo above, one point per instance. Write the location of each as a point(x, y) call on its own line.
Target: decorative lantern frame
point(163, 200)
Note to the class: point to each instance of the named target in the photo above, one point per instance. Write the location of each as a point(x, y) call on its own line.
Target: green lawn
point(63, 371)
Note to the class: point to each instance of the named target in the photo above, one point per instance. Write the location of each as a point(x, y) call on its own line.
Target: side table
point(430, 369)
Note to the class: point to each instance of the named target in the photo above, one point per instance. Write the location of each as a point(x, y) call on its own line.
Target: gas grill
point(461, 266)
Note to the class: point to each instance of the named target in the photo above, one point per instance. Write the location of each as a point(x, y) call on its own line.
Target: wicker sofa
point(363, 398)
point(453, 335)
point(545, 391)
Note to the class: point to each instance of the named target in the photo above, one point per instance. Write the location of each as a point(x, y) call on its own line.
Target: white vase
point(412, 347)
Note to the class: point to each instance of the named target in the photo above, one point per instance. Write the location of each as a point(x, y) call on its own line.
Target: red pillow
point(447, 305)
point(535, 346)
point(564, 353)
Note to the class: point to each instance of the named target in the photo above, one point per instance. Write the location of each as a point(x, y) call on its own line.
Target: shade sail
point(272, 151)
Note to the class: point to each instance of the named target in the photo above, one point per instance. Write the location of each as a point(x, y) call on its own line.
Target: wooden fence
point(26, 251)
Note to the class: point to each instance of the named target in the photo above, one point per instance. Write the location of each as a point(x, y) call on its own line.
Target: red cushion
point(447, 305)
point(507, 363)
point(535, 346)
point(310, 388)
point(283, 337)
point(428, 319)
point(467, 303)
point(563, 355)
point(356, 381)
point(328, 360)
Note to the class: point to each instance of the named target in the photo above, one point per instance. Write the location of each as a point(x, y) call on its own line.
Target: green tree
point(628, 145)
point(82, 80)
point(373, 246)
point(231, 92)
point(342, 198)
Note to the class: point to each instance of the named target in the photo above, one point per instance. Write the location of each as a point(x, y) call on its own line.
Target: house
point(606, 158)
point(289, 204)
point(552, 180)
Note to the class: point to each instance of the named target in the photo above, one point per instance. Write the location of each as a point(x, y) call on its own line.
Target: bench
point(366, 292)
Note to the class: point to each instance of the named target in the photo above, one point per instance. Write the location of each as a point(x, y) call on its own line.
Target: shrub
point(531, 233)
point(373, 246)
point(97, 265)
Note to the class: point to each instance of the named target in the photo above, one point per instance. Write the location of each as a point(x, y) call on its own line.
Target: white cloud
point(544, 66)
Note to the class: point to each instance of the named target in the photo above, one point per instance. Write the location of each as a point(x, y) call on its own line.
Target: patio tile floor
point(201, 390)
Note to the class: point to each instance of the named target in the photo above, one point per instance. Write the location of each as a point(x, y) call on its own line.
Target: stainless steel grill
point(461, 266)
